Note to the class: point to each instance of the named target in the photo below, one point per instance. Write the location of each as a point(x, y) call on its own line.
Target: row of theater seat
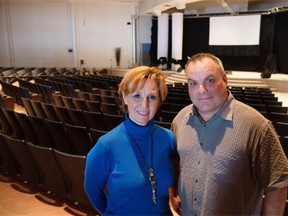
point(96, 103)
point(59, 175)
point(46, 154)
point(88, 119)
point(44, 86)
point(51, 159)
point(68, 138)
point(56, 147)
point(261, 99)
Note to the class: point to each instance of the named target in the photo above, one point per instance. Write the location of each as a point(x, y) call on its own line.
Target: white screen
point(235, 30)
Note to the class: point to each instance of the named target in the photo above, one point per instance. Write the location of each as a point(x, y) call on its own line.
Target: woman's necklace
point(152, 177)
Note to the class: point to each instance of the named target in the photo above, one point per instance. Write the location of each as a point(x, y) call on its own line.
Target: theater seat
point(51, 175)
point(27, 168)
point(8, 161)
point(80, 139)
point(73, 167)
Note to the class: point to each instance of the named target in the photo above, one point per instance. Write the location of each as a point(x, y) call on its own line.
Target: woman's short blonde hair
point(139, 75)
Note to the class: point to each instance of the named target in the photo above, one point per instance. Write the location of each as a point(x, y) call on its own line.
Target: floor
point(18, 199)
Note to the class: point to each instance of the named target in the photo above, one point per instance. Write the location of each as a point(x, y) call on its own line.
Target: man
point(230, 155)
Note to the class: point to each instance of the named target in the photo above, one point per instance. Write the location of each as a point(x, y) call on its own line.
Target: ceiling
point(201, 7)
point(207, 6)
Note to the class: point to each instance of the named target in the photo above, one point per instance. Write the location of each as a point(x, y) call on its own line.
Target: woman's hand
point(175, 202)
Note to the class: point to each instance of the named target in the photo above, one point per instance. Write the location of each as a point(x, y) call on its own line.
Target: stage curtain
point(154, 44)
point(281, 42)
point(273, 40)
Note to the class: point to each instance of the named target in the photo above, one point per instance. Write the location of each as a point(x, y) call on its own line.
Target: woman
point(129, 170)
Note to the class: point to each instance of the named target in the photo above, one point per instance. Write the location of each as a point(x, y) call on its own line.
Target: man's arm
point(274, 202)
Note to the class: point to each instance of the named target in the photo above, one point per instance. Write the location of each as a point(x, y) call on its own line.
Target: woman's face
point(143, 103)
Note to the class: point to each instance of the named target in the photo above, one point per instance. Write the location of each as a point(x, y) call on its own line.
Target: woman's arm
point(96, 177)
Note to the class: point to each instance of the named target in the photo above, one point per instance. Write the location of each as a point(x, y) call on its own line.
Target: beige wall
point(39, 33)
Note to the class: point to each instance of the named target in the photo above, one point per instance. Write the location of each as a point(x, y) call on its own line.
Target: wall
point(40, 33)
point(268, 4)
point(102, 27)
point(37, 33)
point(5, 57)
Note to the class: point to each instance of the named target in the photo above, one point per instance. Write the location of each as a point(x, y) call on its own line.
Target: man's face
point(207, 87)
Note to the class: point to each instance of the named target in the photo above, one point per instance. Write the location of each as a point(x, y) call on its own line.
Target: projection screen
point(234, 30)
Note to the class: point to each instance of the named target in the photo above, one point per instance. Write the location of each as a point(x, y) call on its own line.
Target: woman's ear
point(125, 99)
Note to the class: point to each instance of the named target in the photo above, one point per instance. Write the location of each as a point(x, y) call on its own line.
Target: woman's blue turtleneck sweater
point(116, 162)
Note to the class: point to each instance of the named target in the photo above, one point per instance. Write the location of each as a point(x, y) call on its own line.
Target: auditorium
point(61, 63)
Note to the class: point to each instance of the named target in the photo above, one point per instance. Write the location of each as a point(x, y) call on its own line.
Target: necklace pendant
point(152, 180)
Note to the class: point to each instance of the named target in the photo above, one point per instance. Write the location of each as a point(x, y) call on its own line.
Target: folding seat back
point(77, 117)
point(73, 167)
point(81, 140)
point(111, 121)
point(5, 128)
point(59, 136)
point(38, 108)
point(63, 115)
point(49, 110)
point(28, 170)
point(94, 120)
point(68, 103)
point(51, 175)
point(17, 131)
point(27, 128)
point(96, 134)
point(41, 131)
point(28, 107)
point(8, 161)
